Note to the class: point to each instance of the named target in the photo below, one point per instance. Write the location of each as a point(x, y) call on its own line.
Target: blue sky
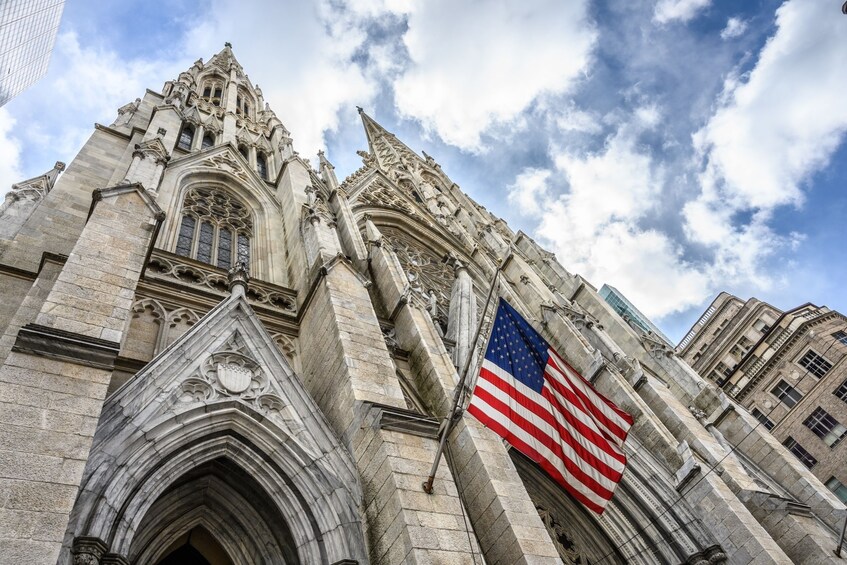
point(671, 148)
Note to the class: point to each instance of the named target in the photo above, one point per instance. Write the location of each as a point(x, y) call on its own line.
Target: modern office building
point(629, 312)
point(27, 33)
point(788, 368)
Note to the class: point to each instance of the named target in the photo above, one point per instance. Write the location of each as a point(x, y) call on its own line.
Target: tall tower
point(213, 352)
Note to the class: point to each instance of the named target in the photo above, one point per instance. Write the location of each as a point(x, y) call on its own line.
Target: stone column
point(64, 362)
point(462, 320)
point(352, 378)
point(498, 505)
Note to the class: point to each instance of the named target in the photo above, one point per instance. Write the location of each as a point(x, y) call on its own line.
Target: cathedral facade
point(215, 353)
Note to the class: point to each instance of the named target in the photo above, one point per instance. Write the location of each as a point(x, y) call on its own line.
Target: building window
point(225, 228)
point(262, 166)
point(836, 487)
point(804, 456)
point(186, 137)
point(787, 394)
point(244, 152)
point(841, 391)
point(825, 427)
point(767, 422)
point(815, 364)
point(242, 107)
point(213, 90)
point(840, 336)
point(208, 141)
point(761, 325)
point(742, 347)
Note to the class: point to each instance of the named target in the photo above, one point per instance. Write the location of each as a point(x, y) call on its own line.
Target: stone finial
point(359, 109)
point(238, 277)
point(228, 44)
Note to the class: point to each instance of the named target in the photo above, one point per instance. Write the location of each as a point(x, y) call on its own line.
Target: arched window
point(213, 89)
point(208, 141)
point(216, 228)
point(186, 137)
point(262, 166)
point(244, 152)
point(242, 106)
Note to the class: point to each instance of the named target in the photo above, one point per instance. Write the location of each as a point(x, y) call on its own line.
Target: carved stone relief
point(430, 279)
point(231, 373)
point(567, 548)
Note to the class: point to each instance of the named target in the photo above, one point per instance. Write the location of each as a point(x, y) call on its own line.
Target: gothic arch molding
point(197, 172)
point(432, 238)
point(114, 502)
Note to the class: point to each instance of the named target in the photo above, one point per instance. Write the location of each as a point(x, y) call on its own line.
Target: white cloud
point(529, 190)
point(10, 150)
point(735, 27)
point(682, 10)
point(594, 225)
point(306, 72)
point(472, 68)
point(784, 122)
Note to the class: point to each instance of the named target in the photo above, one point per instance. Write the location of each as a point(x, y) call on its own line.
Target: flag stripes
point(538, 403)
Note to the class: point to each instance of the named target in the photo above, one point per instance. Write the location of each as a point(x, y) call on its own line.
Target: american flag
point(549, 412)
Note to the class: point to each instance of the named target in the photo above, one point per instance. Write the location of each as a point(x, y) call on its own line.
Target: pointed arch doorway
point(215, 514)
point(197, 547)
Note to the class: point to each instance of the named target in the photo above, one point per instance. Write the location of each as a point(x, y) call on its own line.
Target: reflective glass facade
point(27, 34)
point(626, 308)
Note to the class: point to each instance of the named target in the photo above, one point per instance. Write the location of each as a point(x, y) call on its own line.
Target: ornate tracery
point(216, 228)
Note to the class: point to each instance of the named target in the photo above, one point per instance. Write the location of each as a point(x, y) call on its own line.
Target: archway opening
point(214, 514)
point(197, 547)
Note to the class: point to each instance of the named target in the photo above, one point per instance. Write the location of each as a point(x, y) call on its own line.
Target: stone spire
point(327, 172)
point(389, 151)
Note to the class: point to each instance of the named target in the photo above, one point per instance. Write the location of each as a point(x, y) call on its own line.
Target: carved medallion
point(235, 378)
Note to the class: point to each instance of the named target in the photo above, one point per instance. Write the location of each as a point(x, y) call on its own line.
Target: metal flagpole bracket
point(458, 394)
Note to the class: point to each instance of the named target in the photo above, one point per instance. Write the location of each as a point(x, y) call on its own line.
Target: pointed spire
point(327, 172)
point(225, 59)
point(372, 129)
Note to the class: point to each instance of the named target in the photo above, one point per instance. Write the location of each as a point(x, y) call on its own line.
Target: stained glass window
point(186, 236)
point(244, 249)
point(186, 137)
point(225, 249)
point(226, 228)
point(204, 246)
point(208, 141)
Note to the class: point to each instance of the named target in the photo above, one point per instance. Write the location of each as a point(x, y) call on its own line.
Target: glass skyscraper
point(27, 33)
point(624, 307)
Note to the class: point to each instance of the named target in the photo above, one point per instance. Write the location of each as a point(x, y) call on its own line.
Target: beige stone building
point(787, 368)
point(161, 406)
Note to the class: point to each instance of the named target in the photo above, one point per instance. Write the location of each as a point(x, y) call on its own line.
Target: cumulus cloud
point(529, 190)
point(594, 223)
point(772, 130)
point(310, 75)
point(681, 10)
point(735, 27)
point(471, 68)
point(10, 150)
point(781, 123)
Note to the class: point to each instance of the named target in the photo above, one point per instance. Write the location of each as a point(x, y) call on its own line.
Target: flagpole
point(459, 392)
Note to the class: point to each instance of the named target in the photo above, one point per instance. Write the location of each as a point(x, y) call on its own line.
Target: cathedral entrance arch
point(216, 435)
point(216, 514)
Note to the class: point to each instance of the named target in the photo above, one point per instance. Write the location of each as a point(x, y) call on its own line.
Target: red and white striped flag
point(549, 412)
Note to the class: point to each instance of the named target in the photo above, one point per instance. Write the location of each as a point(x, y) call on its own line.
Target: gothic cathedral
point(214, 353)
